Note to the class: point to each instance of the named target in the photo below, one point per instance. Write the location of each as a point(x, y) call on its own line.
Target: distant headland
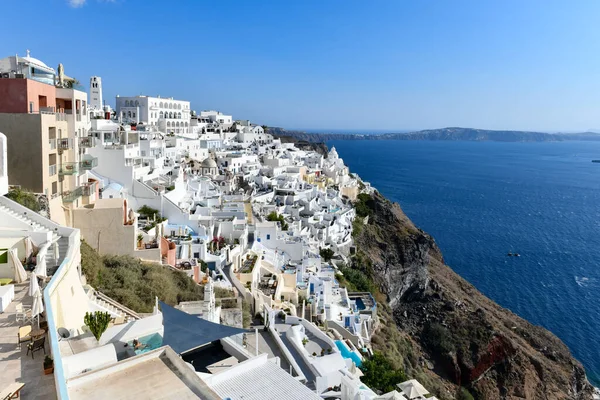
point(454, 134)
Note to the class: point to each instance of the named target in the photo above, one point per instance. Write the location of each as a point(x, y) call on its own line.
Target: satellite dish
point(63, 333)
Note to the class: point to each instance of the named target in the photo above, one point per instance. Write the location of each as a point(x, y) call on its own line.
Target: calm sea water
point(481, 200)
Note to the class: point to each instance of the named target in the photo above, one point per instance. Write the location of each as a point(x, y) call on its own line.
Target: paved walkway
point(266, 344)
point(15, 365)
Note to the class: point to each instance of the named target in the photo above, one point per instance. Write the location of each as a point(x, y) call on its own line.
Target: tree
point(326, 254)
point(274, 217)
point(97, 322)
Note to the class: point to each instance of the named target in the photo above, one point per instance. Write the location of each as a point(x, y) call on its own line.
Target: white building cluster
point(226, 203)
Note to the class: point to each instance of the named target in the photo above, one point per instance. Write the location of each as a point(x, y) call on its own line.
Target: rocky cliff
point(459, 336)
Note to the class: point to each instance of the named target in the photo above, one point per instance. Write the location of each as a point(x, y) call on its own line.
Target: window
point(3, 256)
point(129, 114)
point(133, 115)
point(196, 254)
point(137, 103)
point(160, 115)
point(268, 237)
point(179, 115)
point(31, 106)
point(161, 104)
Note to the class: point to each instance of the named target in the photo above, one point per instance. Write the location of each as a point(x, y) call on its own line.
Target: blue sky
point(333, 64)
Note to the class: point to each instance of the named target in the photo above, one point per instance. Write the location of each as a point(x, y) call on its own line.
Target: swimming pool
point(346, 353)
point(149, 343)
point(360, 304)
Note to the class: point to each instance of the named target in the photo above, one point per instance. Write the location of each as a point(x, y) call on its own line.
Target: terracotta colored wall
point(15, 95)
point(167, 252)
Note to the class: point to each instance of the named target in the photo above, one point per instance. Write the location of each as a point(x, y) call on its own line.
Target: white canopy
point(34, 287)
point(393, 395)
point(38, 305)
point(412, 389)
point(40, 268)
point(20, 273)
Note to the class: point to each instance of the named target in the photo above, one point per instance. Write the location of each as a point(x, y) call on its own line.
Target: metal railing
point(64, 144)
point(72, 195)
point(87, 141)
point(89, 188)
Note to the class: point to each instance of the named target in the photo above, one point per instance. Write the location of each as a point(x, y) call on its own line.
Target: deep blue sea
point(481, 200)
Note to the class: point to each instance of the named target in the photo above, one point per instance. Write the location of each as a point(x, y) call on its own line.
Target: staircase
point(51, 261)
point(105, 303)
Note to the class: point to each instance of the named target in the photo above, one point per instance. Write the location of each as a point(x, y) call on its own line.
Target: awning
point(184, 332)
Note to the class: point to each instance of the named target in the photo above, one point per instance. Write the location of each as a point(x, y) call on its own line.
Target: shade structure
point(393, 395)
point(412, 389)
point(29, 246)
point(20, 273)
point(38, 306)
point(33, 285)
point(40, 269)
point(184, 332)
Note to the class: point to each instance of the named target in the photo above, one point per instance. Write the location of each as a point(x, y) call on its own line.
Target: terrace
point(16, 365)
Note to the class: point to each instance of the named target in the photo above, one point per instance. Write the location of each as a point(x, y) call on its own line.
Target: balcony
point(89, 163)
point(87, 141)
point(52, 170)
point(71, 196)
point(69, 168)
point(64, 144)
point(89, 188)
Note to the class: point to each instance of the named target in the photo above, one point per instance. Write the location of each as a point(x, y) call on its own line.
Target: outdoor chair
point(24, 334)
point(11, 391)
point(36, 345)
point(22, 312)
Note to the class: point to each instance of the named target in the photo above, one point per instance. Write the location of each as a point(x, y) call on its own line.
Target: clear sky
point(370, 64)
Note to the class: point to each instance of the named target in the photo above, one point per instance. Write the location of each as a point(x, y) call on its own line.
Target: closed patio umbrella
point(40, 269)
point(33, 285)
point(20, 273)
point(29, 246)
point(38, 305)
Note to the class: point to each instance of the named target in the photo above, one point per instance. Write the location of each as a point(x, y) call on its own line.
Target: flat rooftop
point(159, 374)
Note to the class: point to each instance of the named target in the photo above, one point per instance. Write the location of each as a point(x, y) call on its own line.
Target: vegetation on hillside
point(135, 283)
point(326, 253)
point(152, 215)
point(24, 198)
point(379, 374)
point(273, 216)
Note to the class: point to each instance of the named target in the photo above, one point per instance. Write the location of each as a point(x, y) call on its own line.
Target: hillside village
point(266, 225)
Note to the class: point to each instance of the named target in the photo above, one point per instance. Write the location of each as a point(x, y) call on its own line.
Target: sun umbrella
point(20, 273)
point(412, 389)
point(40, 268)
point(33, 285)
point(29, 246)
point(38, 306)
point(393, 395)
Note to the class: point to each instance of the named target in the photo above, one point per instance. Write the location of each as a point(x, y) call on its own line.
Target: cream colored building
point(110, 227)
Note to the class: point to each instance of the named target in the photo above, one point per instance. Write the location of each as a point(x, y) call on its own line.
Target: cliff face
point(465, 338)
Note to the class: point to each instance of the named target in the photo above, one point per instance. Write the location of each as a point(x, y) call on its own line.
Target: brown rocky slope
point(464, 338)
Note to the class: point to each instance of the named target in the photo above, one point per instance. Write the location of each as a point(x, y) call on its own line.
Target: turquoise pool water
point(149, 343)
point(346, 353)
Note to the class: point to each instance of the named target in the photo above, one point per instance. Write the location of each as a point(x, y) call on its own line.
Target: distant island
point(455, 134)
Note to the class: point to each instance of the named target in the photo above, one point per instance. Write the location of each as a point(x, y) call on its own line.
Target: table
point(7, 295)
point(36, 333)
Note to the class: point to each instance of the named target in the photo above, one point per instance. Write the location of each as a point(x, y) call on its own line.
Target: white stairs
point(106, 304)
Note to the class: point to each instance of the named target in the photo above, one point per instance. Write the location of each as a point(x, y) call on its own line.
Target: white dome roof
point(209, 163)
point(35, 61)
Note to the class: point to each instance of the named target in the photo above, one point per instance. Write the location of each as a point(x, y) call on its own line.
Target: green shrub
point(364, 205)
point(438, 338)
point(379, 373)
point(326, 254)
point(463, 394)
point(274, 217)
point(24, 198)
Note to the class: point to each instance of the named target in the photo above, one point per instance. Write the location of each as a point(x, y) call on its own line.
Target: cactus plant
point(97, 322)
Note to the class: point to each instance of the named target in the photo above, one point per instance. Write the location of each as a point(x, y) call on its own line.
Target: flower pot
point(49, 370)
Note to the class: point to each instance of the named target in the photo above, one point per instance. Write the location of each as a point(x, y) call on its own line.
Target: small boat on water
point(596, 161)
point(517, 255)
point(510, 254)
point(513, 255)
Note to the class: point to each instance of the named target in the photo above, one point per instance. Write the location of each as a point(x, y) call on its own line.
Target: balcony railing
point(89, 163)
point(69, 168)
point(52, 170)
point(64, 144)
point(52, 143)
point(71, 196)
point(89, 188)
point(87, 141)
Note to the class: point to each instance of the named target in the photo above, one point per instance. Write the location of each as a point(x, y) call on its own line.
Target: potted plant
point(48, 365)
point(140, 237)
